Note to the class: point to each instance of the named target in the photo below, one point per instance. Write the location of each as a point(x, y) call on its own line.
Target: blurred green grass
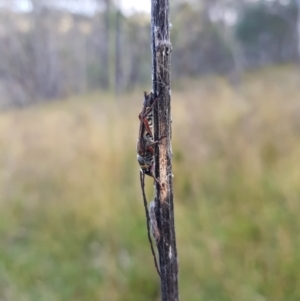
point(72, 223)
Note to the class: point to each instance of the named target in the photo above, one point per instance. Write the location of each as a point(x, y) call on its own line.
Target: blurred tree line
point(49, 52)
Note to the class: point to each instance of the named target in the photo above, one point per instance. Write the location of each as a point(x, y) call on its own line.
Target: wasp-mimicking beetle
point(146, 143)
point(145, 156)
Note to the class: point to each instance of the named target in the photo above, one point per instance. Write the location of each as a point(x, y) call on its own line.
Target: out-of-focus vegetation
point(52, 51)
point(72, 224)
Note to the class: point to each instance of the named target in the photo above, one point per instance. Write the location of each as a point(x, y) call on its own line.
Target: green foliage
point(202, 50)
point(72, 224)
point(268, 32)
point(258, 21)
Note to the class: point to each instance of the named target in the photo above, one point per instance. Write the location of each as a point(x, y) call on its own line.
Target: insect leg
point(155, 142)
point(146, 110)
point(146, 123)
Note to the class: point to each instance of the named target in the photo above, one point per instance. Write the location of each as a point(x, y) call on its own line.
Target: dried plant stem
point(161, 61)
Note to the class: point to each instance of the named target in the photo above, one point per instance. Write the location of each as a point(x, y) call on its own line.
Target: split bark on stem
point(161, 63)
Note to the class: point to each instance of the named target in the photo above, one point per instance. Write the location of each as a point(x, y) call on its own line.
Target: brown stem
point(161, 62)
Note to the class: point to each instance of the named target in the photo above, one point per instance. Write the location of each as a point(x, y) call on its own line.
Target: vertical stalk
point(298, 27)
point(164, 208)
point(118, 64)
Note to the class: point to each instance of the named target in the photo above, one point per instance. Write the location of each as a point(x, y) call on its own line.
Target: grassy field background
point(72, 223)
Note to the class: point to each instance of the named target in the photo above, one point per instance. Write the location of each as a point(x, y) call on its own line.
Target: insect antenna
point(142, 179)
